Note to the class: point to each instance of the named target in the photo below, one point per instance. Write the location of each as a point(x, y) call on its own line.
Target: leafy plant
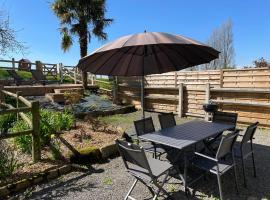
point(108, 181)
point(24, 142)
point(8, 161)
point(6, 122)
point(50, 122)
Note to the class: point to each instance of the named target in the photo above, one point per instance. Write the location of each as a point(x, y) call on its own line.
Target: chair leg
point(254, 167)
point(235, 178)
point(160, 187)
point(130, 190)
point(219, 187)
point(244, 172)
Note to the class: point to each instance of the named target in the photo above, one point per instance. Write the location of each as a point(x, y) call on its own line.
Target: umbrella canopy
point(147, 53)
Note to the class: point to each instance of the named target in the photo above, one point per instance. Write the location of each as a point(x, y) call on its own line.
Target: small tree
point(261, 63)
point(222, 40)
point(8, 40)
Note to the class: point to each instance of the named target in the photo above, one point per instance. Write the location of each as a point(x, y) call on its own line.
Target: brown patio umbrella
point(147, 53)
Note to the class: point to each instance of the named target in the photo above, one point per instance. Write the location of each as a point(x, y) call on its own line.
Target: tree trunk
point(83, 39)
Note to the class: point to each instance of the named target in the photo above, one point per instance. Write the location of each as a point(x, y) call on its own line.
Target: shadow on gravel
point(257, 187)
point(60, 188)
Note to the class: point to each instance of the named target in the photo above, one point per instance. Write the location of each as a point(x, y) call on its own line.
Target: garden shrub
point(50, 122)
point(8, 161)
point(6, 122)
point(24, 142)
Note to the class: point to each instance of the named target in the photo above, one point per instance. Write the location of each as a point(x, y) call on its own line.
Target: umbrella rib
point(181, 55)
point(197, 54)
point(113, 67)
point(131, 59)
point(137, 47)
point(157, 59)
point(162, 50)
point(84, 60)
point(102, 65)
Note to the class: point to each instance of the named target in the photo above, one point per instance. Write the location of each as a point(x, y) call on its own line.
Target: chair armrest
point(205, 156)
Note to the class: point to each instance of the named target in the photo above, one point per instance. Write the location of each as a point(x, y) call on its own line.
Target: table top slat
point(186, 134)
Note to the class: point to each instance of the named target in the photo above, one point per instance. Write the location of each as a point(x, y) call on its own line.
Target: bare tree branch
point(8, 40)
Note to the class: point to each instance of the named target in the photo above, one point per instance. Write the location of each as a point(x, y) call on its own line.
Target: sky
point(38, 27)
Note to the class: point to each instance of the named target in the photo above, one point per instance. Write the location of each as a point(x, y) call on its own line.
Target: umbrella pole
point(142, 96)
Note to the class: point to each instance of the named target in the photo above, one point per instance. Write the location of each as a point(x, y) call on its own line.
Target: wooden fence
point(245, 91)
point(33, 123)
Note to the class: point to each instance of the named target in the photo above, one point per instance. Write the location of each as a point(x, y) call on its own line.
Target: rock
point(22, 184)
point(4, 191)
point(65, 169)
point(108, 150)
point(52, 174)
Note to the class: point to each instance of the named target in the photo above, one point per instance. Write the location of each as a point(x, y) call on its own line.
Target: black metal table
point(186, 134)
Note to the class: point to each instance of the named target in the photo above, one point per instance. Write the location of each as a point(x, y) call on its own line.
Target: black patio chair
point(146, 170)
point(219, 164)
point(144, 126)
point(166, 120)
point(220, 117)
point(245, 149)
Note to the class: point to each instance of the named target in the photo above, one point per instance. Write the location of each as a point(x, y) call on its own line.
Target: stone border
point(41, 177)
point(122, 110)
point(106, 151)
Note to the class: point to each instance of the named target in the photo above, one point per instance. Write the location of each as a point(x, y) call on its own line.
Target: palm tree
point(82, 18)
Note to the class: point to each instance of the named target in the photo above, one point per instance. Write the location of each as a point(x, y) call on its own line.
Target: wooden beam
point(257, 104)
point(11, 135)
point(207, 98)
point(180, 101)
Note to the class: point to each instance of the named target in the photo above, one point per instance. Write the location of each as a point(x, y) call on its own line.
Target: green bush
point(50, 122)
point(4, 74)
point(8, 161)
point(25, 75)
point(6, 122)
point(24, 142)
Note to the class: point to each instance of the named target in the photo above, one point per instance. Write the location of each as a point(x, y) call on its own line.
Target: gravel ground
point(110, 181)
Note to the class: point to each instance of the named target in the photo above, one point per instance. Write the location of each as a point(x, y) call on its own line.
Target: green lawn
point(4, 75)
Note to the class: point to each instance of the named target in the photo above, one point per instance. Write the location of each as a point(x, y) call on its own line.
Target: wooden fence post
point(93, 79)
point(60, 68)
point(13, 63)
point(39, 66)
point(36, 152)
point(75, 75)
point(207, 98)
point(221, 78)
point(115, 90)
point(1, 94)
point(180, 102)
point(18, 93)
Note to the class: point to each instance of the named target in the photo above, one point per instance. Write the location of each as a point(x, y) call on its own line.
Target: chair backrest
point(226, 144)
point(144, 126)
point(133, 154)
point(166, 120)
point(250, 131)
point(38, 75)
point(225, 117)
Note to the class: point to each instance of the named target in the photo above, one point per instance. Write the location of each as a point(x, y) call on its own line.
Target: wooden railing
point(33, 122)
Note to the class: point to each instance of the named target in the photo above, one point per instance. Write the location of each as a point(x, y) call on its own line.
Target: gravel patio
point(110, 181)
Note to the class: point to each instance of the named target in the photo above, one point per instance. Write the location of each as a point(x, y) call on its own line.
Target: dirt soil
point(87, 133)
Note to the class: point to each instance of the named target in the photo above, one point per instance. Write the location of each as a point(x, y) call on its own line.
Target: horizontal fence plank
point(11, 135)
point(15, 110)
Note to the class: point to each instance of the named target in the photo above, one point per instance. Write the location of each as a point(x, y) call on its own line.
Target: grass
point(24, 75)
point(4, 75)
point(107, 181)
point(106, 85)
